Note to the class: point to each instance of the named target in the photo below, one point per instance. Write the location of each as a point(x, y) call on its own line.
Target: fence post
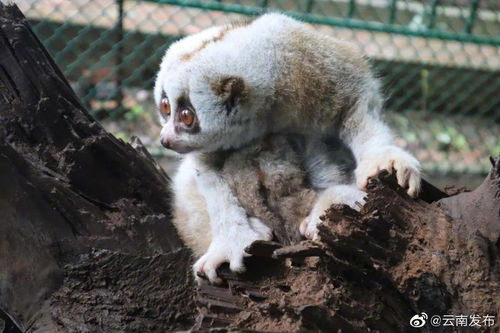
point(309, 5)
point(351, 11)
point(119, 56)
point(472, 16)
point(392, 11)
point(432, 15)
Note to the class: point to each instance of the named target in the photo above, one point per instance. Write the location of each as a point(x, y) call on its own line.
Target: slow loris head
point(208, 98)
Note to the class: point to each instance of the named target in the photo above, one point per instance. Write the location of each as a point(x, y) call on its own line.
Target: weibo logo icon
point(419, 320)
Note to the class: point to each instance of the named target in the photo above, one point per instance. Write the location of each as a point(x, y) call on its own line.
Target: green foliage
point(135, 113)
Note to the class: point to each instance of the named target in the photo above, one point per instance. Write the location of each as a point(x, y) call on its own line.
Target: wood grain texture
point(68, 191)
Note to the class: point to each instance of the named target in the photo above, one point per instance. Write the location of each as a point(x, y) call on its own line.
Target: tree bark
point(86, 242)
point(87, 245)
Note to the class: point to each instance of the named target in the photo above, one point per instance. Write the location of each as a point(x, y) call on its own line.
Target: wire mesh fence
point(439, 60)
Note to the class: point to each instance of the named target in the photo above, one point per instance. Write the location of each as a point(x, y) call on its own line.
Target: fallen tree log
point(86, 242)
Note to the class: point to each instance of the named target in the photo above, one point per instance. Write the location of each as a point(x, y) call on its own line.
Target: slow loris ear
point(230, 90)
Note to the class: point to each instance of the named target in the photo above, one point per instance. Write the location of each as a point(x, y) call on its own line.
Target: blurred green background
point(439, 61)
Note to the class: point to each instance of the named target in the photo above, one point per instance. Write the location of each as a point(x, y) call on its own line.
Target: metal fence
point(439, 59)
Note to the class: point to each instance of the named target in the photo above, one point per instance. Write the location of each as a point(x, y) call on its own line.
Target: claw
point(337, 194)
point(392, 159)
point(230, 248)
point(303, 226)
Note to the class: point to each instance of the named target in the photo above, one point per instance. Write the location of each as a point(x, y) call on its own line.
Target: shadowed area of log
point(67, 189)
point(7, 325)
point(430, 193)
point(109, 291)
point(263, 248)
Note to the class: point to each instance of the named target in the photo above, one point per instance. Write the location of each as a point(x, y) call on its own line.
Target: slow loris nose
point(166, 143)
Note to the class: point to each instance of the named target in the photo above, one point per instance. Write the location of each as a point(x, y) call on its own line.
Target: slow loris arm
point(372, 144)
point(232, 230)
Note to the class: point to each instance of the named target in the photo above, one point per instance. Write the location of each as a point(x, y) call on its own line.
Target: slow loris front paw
point(390, 158)
point(229, 246)
point(338, 194)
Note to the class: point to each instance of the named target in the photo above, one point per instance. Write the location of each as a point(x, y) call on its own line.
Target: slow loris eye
point(165, 107)
point(187, 117)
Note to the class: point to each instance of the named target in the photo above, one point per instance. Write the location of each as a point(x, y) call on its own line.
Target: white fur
point(213, 222)
point(232, 230)
point(374, 150)
point(190, 208)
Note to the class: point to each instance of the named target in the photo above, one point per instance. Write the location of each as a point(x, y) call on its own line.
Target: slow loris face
point(207, 99)
point(203, 116)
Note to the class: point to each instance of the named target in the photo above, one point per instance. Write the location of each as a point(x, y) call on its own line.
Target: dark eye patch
point(164, 106)
point(184, 103)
